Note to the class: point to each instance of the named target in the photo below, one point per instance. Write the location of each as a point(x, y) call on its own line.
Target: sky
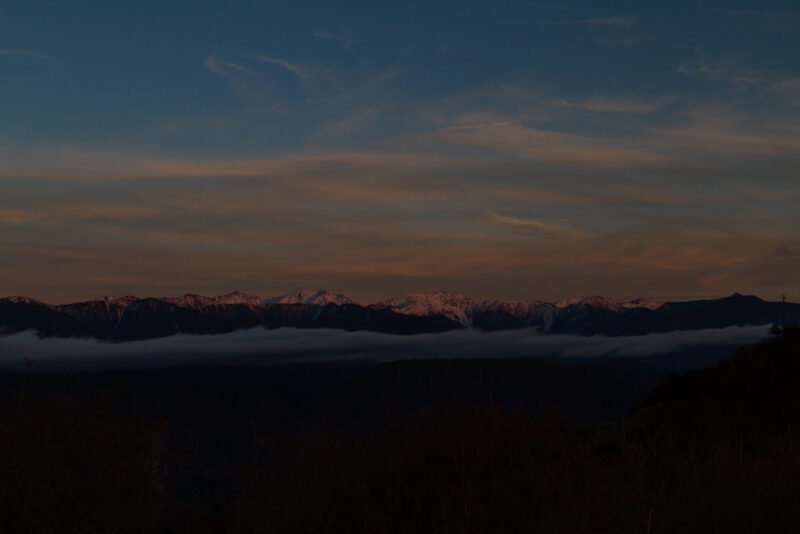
point(506, 149)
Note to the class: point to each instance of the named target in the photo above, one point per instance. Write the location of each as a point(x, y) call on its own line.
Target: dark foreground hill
point(215, 414)
point(443, 446)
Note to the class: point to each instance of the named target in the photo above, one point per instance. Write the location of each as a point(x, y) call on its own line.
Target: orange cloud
point(549, 146)
point(539, 226)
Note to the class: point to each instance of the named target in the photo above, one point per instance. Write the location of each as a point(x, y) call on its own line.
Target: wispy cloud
point(359, 120)
point(246, 83)
point(532, 224)
point(725, 133)
point(719, 72)
point(56, 213)
point(610, 22)
point(89, 163)
point(346, 40)
point(386, 74)
point(17, 217)
point(302, 72)
point(788, 88)
point(223, 68)
point(22, 52)
point(482, 139)
point(527, 123)
point(508, 136)
point(608, 105)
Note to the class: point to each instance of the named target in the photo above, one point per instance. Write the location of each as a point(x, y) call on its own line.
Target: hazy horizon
point(367, 301)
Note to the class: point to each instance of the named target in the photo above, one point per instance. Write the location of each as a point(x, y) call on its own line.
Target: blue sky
point(505, 149)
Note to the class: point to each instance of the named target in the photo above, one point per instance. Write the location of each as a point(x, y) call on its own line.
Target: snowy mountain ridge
point(461, 308)
point(190, 300)
point(128, 317)
point(319, 297)
point(454, 306)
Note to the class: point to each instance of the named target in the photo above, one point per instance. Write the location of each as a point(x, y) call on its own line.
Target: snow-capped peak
point(25, 300)
point(609, 304)
point(568, 301)
point(591, 302)
point(454, 306)
point(306, 296)
point(190, 300)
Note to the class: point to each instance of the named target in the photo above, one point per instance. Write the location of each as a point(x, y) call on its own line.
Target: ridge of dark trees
point(708, 450)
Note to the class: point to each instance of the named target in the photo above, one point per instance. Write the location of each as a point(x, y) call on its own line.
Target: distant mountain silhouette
point(131, 318)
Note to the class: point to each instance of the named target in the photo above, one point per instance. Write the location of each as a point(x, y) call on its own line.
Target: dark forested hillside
point(442, 446)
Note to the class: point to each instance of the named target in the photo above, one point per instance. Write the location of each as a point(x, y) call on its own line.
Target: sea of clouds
point(285, 345)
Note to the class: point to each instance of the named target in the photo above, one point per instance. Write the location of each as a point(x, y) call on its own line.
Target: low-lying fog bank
point(266, 347)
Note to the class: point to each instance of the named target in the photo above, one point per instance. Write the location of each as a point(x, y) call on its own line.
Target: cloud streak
point(607, 105)
point(719, 73)
point(225, 69)
point(539, 226)
point(88, 163)
point(302, 72)
point(551, 146)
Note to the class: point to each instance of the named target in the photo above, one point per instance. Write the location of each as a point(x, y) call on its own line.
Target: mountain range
point(131, 318)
